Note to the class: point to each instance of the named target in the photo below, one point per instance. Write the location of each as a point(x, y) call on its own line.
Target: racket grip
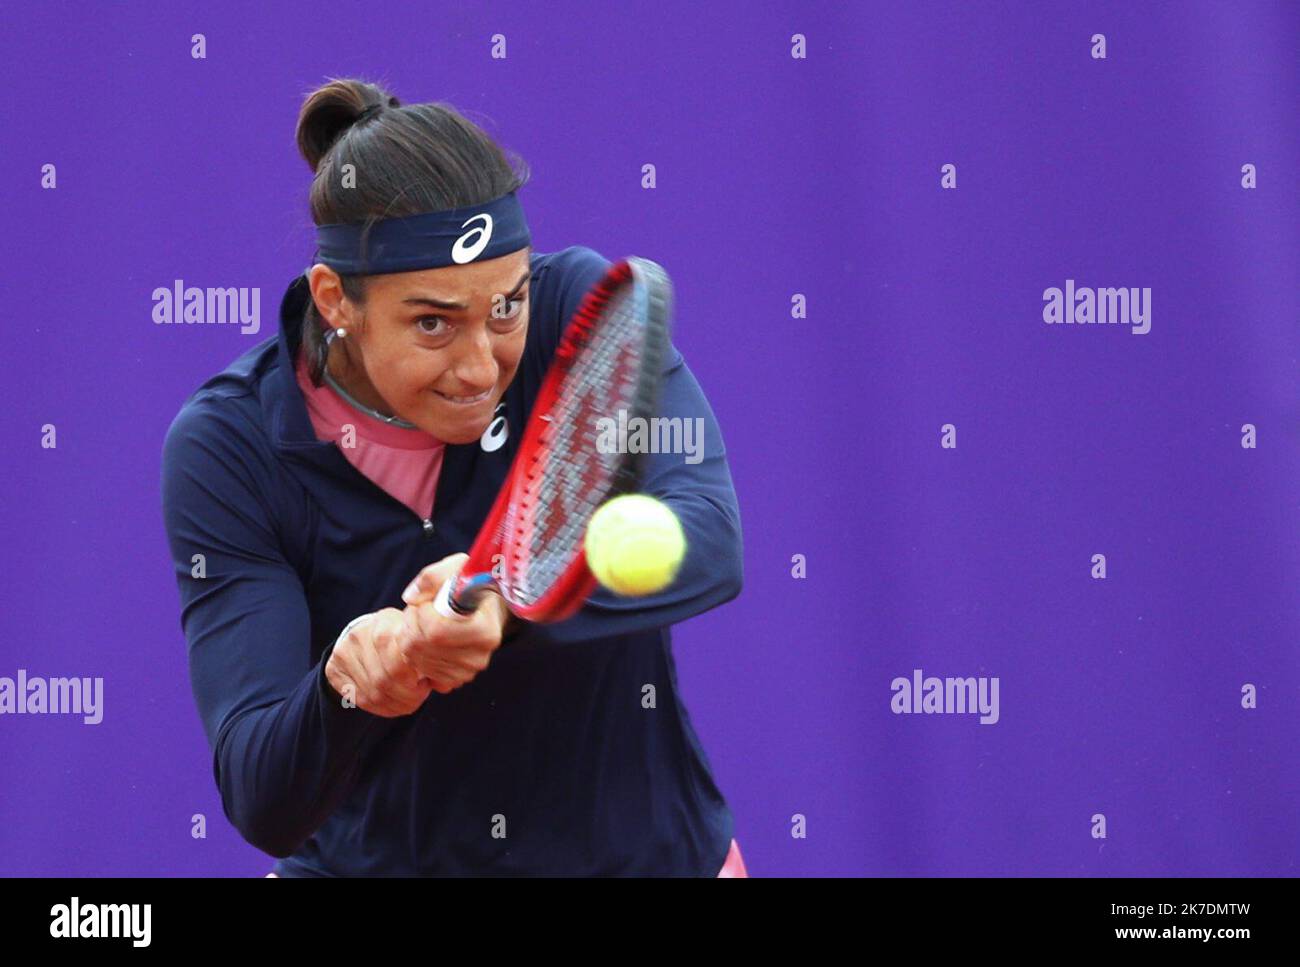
point(442, 603)
point(464, 604)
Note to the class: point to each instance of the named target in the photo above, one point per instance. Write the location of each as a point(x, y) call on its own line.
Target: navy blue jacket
point(552, 744)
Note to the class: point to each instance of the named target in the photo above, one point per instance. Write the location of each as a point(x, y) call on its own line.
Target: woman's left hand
point(490, 619)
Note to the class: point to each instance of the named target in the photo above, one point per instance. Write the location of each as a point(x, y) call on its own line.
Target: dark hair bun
point(332, 109)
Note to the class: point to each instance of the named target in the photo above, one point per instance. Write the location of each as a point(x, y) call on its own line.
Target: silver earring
point(333, 334)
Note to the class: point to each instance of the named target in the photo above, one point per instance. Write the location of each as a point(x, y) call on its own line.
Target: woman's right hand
point(391, 660)
point(368, 666)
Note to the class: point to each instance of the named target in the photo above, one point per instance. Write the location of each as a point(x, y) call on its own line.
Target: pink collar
point(328, 409)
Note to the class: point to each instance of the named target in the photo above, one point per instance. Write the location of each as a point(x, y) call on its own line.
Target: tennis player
point(351, 459)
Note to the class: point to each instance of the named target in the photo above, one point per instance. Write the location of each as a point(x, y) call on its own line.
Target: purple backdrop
point(777, 175)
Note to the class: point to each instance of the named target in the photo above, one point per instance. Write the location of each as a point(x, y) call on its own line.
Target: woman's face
point(437, 347)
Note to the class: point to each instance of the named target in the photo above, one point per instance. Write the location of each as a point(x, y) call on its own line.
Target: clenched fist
point(393, 659)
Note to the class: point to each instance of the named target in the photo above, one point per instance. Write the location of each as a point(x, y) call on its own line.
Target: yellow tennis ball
point(635, 545)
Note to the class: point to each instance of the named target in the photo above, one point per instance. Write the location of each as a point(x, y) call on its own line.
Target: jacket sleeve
point(285, 749)
point(697, 486)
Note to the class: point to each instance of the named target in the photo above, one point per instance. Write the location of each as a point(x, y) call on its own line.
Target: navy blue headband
point(426, 241)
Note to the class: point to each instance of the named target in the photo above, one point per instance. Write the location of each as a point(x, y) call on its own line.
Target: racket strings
point(570, 475)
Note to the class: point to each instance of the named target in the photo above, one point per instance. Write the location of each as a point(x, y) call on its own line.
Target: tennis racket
point(610, 358)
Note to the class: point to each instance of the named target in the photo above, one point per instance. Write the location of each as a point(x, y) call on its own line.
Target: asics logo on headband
point(462, 252)
point(426, 240)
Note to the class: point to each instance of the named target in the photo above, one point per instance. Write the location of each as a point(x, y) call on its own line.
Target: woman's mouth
point(466, 400)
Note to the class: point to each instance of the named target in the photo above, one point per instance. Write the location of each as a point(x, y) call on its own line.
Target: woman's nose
point(477, 366)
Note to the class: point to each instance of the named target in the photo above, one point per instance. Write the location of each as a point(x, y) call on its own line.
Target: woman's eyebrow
point(442, 304)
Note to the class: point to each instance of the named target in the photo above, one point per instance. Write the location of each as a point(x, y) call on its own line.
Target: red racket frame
point(576, 582)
